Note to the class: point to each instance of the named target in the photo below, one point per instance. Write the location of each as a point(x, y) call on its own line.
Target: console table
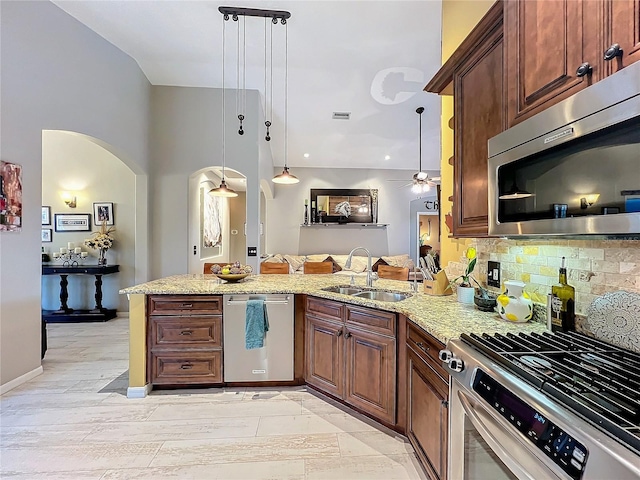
point(66, 314)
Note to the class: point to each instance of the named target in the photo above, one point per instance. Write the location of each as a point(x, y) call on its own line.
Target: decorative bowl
point(232, 277)
point(485, 304)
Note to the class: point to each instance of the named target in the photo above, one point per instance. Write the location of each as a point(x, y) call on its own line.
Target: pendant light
point(223, 190)
point(285, 178)
point(420, 183)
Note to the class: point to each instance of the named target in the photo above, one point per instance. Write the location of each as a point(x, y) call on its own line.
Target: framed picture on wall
point(46, 235)
point(46, 215)
point(73, 222)
point(103, 212)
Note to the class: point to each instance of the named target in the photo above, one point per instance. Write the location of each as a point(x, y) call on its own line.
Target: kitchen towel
point(256, 324)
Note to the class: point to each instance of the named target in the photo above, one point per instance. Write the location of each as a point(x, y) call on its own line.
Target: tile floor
point(74, 422)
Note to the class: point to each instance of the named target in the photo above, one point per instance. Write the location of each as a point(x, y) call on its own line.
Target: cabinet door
point(371, 373)
point(427, 416)
point(479, 115)
point(546, 42)
point(324, 355)
point(625, 31)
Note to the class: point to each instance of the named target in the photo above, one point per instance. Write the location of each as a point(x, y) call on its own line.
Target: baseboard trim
point(16, 382)
point(138, 392)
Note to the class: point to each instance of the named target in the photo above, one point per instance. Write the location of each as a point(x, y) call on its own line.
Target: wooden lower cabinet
point(427, 401)
point(352, 363)
point(324, 355)
point(184, 340)
point(427, 416)
point(371, 373)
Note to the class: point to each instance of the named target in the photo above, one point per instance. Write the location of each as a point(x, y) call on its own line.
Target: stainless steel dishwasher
point(274, 361)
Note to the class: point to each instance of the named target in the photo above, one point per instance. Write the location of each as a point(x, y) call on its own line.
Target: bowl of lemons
point(231, 273)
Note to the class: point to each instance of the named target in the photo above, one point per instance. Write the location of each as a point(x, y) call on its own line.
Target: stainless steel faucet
point(371, 275)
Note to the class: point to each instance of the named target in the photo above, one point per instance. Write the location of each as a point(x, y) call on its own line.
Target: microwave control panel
point(564, 450)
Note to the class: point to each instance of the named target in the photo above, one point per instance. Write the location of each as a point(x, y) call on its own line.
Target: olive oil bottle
point(563, 303)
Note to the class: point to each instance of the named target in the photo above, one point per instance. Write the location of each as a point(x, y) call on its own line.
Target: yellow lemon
point(471, 253)
point(225, 271)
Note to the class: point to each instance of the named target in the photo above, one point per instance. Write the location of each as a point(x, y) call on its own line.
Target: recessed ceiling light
point(387, 157)
point(306, 155)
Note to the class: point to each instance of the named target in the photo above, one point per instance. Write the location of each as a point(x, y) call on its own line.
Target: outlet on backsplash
point(493, 274)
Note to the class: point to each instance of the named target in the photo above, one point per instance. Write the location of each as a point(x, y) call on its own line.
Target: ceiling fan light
point(426, 187)
point(223, 191)
point(416, 188)
point(285, 178)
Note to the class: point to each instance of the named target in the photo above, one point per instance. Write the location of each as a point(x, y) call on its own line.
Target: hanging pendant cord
point(420, 142)
point(224, 24)
point(238, 91)
point(244, 66)
point(286, 89)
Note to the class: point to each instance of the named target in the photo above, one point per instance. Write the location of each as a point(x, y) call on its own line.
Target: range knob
point(456, 364)
point(445, 355)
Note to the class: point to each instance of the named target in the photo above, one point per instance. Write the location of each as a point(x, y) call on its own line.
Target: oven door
point(482, 445)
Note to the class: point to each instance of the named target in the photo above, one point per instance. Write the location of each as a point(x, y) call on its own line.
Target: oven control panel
point(558, 445)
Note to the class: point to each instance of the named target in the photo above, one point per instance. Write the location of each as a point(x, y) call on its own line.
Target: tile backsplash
point(594, 267)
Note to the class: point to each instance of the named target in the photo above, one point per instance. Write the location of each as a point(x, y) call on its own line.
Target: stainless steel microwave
point(573, 169)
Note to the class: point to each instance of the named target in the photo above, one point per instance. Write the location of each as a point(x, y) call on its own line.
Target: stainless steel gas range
point(542, 406)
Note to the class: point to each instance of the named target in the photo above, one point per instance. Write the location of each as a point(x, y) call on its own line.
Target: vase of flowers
point(465, 289)
point(101, 241)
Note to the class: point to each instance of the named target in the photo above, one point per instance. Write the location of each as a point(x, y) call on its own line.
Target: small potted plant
point(465, 289)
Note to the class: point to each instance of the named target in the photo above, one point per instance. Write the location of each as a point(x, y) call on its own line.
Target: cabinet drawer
point(185, 304)
point(181, 368)
point(372, 320)
point(185, 332)
point(325, 308)
point(427, 348)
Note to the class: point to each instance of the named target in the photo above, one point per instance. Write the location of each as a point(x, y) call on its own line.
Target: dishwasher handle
point(280, 301)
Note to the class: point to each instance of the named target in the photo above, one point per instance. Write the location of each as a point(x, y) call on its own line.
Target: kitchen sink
point(343, 290)
point(382, 296)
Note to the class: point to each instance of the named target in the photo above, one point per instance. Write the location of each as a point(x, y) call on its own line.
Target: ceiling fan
point(420, 182)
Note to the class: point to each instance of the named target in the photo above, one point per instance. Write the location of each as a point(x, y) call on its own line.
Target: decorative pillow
point(277, 258)
point(336, 267)
point(375, 266)
point(296, 262)
point(317, 257)
point(399, 261)
point(358, 264)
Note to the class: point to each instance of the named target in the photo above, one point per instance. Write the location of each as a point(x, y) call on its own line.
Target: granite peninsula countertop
point(442, 317)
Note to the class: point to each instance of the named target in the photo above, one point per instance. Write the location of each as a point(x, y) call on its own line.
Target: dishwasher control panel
point(558, 445)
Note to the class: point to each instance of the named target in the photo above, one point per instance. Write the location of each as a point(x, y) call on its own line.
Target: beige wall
point(458, 19)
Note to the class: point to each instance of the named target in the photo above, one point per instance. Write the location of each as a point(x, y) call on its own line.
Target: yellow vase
point(515, 304)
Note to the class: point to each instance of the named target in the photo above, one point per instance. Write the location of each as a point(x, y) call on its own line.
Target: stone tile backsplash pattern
point(594, 267)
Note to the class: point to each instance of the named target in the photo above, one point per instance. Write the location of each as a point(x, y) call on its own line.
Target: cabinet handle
point(422, 347)
point(347, 335)
point(445, 403)
point(186, 366)
point(187, 305)
point(584, 69)
point(186, 332)
point(612, 52)
point(339, 333)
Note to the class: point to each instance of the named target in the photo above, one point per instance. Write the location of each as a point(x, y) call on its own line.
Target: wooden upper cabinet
point(479, 98)
point(623, 30)
point(546, 42)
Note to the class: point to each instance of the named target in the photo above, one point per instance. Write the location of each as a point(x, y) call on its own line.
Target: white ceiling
point(370, 58)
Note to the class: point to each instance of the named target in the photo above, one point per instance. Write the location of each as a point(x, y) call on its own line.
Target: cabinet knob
point(584, 69)
point(612, 52)
point(347, 335)
point(339, 333)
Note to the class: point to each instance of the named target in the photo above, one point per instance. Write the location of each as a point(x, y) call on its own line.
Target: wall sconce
point(588, 200)
point(69, 199)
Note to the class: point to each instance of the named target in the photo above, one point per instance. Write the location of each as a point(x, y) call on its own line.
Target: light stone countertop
point(442, 317)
